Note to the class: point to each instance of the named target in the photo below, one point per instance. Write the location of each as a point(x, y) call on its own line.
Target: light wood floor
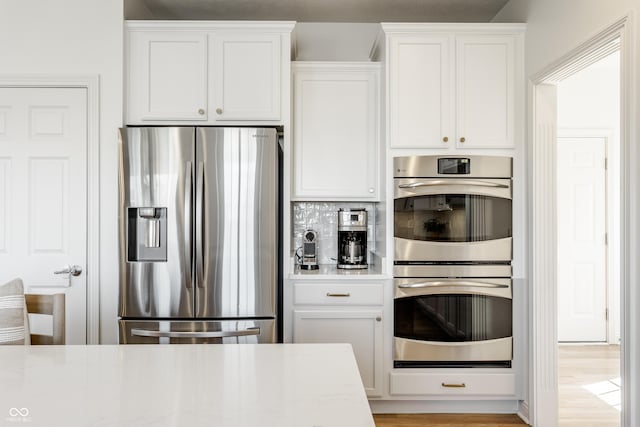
point(587, 396)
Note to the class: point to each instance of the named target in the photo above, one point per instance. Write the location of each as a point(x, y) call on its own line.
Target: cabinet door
point(485, 90)
point(335, 136)
point(419, 91)
point(167, 77)
point(361, 329)
point(246, 76)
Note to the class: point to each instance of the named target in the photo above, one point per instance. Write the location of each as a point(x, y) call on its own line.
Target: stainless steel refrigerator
point(198, 224)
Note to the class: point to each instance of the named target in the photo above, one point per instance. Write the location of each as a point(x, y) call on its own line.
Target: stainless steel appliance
point(352, 238)
point(452, 261)
point(452, 208)
point(309, 258)
point(199, 221)
point(460, 319)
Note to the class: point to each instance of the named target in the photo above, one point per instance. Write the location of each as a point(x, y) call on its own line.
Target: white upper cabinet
point(419, 91)
point(485, 89)
point(453, 85)
point(203, 72)
point(335, 130)
point(167, 76)
point(246, 76)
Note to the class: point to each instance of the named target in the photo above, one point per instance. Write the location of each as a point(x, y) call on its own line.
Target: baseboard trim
point(523, 411)
point(444, 406)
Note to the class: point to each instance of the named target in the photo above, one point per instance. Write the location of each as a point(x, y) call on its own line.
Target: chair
point(52, 305)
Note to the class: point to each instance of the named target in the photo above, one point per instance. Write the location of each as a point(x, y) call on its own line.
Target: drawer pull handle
point(461, 385)
point(338, 294)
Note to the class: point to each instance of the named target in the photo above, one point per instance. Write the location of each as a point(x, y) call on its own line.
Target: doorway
point(588, 239)
point(543, 367)
point(50, 191)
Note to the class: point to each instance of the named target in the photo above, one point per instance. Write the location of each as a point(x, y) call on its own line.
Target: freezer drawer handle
point(338, 294)
point(177, 334)
point(456, 283)
point(453, 182)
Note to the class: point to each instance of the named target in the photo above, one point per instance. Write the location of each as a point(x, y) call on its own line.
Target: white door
point(419, 92)
point(485, 89)
point(582, 286)
point(246, 76)
point(362, 329)
point(43, 195)
point(329, 134)
point(167, 78)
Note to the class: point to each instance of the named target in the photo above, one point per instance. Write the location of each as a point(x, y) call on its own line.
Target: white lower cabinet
point(338, 316)
point(491, 386)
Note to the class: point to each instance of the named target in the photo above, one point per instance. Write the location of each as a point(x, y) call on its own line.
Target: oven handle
point(440, 284)
point(453, 182)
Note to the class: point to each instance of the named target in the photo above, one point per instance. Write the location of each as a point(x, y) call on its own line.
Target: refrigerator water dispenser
point(147, 240)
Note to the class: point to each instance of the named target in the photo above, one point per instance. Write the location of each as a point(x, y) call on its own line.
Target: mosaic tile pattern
point(322, 217)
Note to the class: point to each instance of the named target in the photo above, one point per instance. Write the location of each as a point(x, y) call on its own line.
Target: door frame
point(543, 388)
point(92, 84)
point(607, 134)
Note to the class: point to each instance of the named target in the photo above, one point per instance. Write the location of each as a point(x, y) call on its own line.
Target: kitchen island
point(296, 385)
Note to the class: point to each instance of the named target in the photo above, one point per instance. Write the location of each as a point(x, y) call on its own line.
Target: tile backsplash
point(322, 217)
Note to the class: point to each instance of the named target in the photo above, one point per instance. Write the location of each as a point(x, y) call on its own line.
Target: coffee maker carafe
point(352, 238)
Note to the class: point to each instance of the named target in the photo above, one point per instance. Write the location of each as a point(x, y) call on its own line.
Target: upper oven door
point(452, 219)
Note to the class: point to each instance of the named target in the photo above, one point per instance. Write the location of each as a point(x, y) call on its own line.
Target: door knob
point(74, 270)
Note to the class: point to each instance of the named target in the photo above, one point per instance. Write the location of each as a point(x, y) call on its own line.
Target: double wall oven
point(452, 261)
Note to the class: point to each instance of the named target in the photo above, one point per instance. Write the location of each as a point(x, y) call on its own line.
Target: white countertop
point(332, 272)
point(232, 385)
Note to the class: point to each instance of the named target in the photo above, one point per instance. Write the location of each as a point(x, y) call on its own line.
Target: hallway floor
point(589, 385)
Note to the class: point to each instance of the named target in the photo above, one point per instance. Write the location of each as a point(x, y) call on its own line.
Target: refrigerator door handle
point(199, 219)
point(188, 196)
point(187, 334)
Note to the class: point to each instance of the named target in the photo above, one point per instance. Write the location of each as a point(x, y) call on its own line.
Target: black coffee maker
point(352, 238)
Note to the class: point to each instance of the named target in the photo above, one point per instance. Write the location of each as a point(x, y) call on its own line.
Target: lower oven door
point(243, 331)
point(452, 322)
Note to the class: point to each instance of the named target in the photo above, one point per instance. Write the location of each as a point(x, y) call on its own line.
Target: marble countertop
point(227, 385)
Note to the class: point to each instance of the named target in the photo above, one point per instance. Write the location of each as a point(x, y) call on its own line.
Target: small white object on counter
point(279, 385)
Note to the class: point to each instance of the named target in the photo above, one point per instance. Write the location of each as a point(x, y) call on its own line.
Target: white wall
point(77, 37)
point(333, 41)
point(554, 28)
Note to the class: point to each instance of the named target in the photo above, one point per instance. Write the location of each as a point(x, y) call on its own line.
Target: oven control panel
point(454, 166)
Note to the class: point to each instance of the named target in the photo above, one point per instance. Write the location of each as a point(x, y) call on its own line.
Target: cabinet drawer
point(416, 384)
point(338, 293)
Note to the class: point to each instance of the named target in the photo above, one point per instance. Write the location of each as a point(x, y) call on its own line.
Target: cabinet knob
point(462, 139)
point(201, 112)
point(219, 110)
point(378, 319)
point(371, 190)
point(445, 139)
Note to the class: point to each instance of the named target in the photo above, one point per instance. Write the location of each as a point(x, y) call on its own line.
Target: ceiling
point(317, 10)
